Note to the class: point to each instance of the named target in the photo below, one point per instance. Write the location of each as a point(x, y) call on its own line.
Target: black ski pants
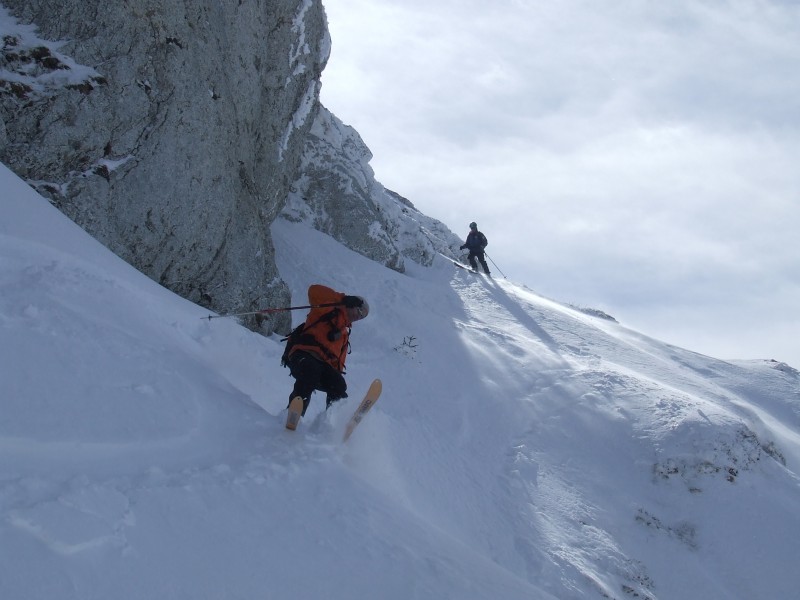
point(311, 373)
point(479, 254)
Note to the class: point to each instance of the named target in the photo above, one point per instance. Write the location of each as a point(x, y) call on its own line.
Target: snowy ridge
point(521, 449)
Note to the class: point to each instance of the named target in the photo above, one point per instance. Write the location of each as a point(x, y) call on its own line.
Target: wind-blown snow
point(521, 449)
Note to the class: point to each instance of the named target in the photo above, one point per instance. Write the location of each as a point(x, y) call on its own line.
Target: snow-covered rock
point(337, 193)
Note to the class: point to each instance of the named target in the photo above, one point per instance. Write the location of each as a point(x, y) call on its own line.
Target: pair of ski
point(464, 266)
point(370, 398)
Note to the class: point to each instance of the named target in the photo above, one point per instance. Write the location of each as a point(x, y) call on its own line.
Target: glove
point(462, 246)
point(352, 301)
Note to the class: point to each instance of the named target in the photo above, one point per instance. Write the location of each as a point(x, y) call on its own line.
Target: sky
point(521, 449)
point(635, 157)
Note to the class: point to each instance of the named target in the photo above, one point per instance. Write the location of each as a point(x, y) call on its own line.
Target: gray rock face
point(336, 193)
point(171, 131)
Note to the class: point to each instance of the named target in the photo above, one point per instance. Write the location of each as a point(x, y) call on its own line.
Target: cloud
point(631, 154)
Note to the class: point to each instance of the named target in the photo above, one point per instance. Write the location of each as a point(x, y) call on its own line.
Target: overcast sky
point(634, 156)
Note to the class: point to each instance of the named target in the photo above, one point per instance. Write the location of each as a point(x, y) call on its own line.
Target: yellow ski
point(371, 397)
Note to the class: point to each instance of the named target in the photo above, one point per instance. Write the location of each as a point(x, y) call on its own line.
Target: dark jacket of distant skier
point(476, 242)
point(316, 350)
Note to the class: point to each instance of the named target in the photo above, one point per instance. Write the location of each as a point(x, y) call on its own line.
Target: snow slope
point(521, 449)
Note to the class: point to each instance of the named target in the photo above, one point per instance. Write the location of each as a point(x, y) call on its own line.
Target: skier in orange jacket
point(316, 351)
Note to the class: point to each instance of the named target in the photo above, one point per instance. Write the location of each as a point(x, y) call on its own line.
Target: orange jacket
point(327, 330)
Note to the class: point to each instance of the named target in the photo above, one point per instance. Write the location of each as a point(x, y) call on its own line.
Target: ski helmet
point(359, 312)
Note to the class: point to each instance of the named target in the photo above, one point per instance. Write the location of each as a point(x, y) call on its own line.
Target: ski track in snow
point(521, 448)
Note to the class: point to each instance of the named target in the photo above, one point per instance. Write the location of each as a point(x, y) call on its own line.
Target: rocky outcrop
point(336, 192)
point(175, 133)
point(172, 132)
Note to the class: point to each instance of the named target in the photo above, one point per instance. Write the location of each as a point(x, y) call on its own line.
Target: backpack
point(484, 241)
point(298, 335)
point(291, 341)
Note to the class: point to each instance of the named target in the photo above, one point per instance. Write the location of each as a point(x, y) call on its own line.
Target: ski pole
point(267, 311)
point(495, 265)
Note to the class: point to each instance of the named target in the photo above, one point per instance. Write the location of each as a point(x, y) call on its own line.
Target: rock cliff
point(336, 192)
point(176, 132)
point(171, 131)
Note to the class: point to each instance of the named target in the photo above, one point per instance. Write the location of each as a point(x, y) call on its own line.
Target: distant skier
point(476, 242)
point(316, 350)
